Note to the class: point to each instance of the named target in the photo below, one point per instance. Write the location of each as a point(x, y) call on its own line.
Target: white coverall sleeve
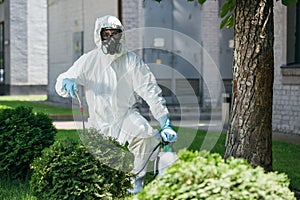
point(145, 86)
point(75, 72)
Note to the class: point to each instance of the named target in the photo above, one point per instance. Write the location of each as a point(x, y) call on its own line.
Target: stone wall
point(286, 96)
point(133, 18)
point(211, 33)
point(18, 42)
point(286, 105)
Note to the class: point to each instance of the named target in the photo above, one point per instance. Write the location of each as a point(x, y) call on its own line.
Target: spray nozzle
point(168, 147)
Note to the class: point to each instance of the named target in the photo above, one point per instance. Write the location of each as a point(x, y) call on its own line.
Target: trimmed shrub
point(67, 170)
point(107, 150)
point(23, 136)
point(201, 175)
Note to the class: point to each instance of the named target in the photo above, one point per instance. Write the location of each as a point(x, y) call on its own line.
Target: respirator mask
point(111, 41)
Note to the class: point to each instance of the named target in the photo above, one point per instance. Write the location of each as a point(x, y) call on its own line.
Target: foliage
point(107, 150)
point(201, 175)
point(285, 158)
point(67, 170)
point(23, 135)
point(227, 14)
point(227, 11)
point(288, 2)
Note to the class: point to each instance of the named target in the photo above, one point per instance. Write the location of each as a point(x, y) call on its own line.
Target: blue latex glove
point(70, 86)
point(167, 133)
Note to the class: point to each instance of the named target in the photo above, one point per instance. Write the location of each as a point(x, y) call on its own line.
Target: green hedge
point(201, 175)
point(67, 170)
point(23, 135)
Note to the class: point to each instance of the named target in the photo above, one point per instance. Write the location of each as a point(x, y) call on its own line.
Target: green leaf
point(201, 1)
point(227, 12)
point(224, 10)
point(228, 21)
point(288, 2)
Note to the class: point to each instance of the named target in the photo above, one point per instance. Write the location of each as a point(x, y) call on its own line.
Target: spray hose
point(167, 146)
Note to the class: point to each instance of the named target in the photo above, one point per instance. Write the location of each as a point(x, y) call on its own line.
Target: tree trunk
point(250, 128)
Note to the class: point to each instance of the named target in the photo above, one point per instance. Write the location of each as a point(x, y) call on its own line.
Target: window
point(291, 71)
point(293, 34)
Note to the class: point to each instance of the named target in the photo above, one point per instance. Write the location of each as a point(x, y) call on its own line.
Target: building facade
point(71, 25)
point(23, 47)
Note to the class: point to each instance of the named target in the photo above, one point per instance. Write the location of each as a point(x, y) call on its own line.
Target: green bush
point(23, 135)
point(201, 175)
point(107, 150)
point(67, 170)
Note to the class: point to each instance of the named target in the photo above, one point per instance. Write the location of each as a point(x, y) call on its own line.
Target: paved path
point(212, 125)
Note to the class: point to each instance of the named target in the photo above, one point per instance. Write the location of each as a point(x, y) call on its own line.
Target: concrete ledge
point(283, 137)
point(61, 117)
point(291, 74)
point(27, 89)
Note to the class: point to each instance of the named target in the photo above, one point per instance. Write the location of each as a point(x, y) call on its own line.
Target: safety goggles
point(107, 33)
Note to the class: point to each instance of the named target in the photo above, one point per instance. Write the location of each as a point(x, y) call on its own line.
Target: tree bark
point(250, 128)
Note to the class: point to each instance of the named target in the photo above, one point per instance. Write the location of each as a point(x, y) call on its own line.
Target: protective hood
point(107, 21)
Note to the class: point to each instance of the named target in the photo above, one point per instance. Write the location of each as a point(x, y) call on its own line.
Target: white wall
point(66, 17)
point(37, 42)
point(18, 42)
point(210, 32)
point(28, 42)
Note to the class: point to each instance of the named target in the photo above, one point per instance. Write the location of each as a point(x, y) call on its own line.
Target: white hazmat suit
point(112, 86)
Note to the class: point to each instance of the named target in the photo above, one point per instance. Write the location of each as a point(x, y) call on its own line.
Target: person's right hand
point(70, 87)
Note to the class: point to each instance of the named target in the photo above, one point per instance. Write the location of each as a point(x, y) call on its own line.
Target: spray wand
point(80, 109)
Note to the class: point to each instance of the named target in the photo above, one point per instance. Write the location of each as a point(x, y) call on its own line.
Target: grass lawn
point(15, 190)
point(34, 101)
point(285, 155)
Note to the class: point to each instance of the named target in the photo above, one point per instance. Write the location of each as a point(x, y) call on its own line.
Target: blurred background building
point(23, 47)
point(28, 63)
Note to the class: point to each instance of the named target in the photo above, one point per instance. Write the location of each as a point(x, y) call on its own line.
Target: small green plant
point(67, 170)
point(23, 136)
point(201, 175)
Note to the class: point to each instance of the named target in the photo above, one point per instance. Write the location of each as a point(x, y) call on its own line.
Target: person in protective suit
point(114, 79)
